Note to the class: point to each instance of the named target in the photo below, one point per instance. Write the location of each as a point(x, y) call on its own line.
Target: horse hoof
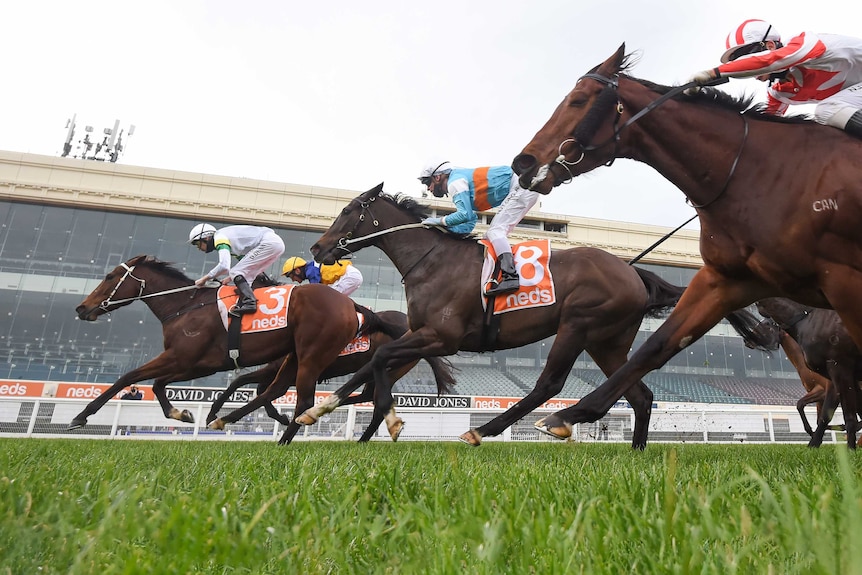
point(216, 424)
point(563, 431)
point(187, 417)
point(306, 419)
point(76, 424)
point(396, 428)
point(471, 437)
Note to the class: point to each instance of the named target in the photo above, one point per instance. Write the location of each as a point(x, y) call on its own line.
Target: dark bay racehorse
point(344, 365)
point(321, 323)
point(827, 349)
point(779, 201)
point(600, 303)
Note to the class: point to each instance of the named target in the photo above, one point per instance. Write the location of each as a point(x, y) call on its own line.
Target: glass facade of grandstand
point(51, 257)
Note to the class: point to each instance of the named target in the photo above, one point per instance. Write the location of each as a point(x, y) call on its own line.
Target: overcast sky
point(348, 94)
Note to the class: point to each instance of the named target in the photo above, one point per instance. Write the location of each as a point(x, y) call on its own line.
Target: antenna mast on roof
point(108, 150)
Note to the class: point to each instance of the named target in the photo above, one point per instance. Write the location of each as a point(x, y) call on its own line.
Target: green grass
point(95, 506)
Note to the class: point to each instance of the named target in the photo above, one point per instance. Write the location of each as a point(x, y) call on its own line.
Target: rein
point(142, 284)
point(366, 207)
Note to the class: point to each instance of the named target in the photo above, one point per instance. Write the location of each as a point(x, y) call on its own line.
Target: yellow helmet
point(291, 264)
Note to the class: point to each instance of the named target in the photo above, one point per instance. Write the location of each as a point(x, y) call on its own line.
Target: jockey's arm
point(799, 50)
point(223, 265)
point(463, 213)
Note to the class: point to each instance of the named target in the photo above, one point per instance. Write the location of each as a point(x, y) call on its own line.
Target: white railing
point(49, 417)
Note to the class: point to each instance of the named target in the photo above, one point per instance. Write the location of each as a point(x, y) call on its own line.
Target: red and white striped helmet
point(750, 34)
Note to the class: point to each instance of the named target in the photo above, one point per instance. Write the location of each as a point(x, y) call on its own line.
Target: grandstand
point(58, 240)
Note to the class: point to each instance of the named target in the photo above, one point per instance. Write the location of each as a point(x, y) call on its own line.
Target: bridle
point(142, 284)
point(365, 206)
point(612, 83)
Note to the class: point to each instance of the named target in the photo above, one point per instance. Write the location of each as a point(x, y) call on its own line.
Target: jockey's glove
point(433, 222)
point(701, 78)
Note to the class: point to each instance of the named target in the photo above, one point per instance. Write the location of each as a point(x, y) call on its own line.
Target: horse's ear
point(612, 65)
point(376, 190)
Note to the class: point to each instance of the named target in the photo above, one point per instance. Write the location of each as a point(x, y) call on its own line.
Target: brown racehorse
point(344, 365)
point(779, 201)
point(827, 349)
point(818, 389)
point(600, 304)
point(321, 323)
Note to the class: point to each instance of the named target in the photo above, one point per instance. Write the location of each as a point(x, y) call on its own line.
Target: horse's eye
point(578, 101)
point(345, 211)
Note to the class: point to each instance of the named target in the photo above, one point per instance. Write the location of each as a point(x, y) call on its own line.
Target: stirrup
point(239, 310)
point(508, 285)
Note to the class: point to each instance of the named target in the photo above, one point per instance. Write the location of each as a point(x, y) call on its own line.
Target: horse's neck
point(692, 146)
point(168, 304)
point(413, 251)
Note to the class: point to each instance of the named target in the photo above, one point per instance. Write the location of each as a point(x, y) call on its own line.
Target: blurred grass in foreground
point(95, 506)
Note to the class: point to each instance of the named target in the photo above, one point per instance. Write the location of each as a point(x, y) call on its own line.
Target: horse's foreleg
point(284, 378)
point(159, 367)
point(816, 395)
point(340, 396)
point(824, 416)
point(842, 377)
point(244, 379)
point(707, 299)
point(306, 381)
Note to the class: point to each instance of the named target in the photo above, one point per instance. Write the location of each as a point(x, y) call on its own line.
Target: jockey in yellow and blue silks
point(342, 276)
point(481, 189)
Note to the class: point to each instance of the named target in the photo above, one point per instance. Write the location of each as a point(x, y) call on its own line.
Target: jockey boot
point(247, 302)
point(509, 280)
point(854, 124)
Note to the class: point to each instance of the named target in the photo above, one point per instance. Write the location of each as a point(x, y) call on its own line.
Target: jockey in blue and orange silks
point(481, 189)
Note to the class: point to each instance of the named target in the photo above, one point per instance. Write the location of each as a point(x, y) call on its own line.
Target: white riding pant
point(836, 109)
point(259, 258)
point(513, 209)
point(349, 282)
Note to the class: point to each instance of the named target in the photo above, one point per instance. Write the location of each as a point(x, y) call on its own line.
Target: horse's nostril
point(523, 163)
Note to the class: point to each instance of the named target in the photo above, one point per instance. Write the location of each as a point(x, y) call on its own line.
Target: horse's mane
point(418, 211)
point(742, 104)
point(167, 268)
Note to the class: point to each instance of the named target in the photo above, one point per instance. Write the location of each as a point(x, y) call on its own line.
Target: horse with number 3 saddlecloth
point(779, 201)
point(321, 323)
point(599, 306)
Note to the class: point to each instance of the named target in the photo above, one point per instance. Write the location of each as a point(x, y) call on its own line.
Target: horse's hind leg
point(169, 410)
point(610, 357)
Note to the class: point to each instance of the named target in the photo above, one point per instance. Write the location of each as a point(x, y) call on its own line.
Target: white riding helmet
point(200, 232)
point(748, 38)
point(432, 168)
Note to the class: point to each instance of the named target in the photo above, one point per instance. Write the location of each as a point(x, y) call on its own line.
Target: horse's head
point(360, 222)
point(119, 284)
point(563, 149)
point(127, 282)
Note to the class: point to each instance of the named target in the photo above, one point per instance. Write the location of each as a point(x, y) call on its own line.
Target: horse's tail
point(661, 295)
point(664, 295)
point(443, 374)
point(755, 333)
point(373, 323)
